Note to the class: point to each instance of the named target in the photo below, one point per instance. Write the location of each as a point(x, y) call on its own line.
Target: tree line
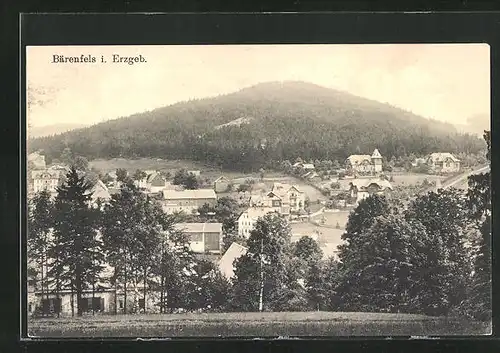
point(429, 254)
point(72, 241)
point(273, 137)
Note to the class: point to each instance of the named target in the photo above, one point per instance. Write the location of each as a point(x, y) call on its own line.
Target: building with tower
point(364, 163)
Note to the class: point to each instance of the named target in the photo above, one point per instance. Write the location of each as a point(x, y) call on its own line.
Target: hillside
point(265, 122)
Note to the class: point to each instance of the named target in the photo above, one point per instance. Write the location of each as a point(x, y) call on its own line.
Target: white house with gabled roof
point(443, 162)
point(365, 163)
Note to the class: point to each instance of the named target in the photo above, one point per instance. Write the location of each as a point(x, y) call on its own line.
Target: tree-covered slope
point(278, 121)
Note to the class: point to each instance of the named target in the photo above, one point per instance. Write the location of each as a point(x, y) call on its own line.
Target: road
point(462, 179)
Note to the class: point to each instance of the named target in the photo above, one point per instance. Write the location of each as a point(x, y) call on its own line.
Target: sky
point(447, 82)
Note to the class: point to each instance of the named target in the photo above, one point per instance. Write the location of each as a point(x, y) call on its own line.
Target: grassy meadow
point(131, 165)
point(254, 324)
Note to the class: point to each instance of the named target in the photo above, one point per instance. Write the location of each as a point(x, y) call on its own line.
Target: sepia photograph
point(323, 190)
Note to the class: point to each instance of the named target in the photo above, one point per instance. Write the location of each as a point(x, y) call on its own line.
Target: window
point(30, 307)
point(120, 304)
point(141, 304)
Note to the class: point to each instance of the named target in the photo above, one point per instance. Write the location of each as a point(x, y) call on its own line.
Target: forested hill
point(274, 121)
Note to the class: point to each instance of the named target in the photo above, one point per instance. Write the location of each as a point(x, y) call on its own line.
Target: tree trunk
point(144, 291)
point(78, 281)
point(125, 291)
point(58, 288)
point(72, 302)
point(93, 297)
point(261, 292)
point(42, 282)
point(116, 296)
point(161, 295)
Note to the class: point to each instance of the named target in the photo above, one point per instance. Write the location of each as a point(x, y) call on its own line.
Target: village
point(313, 206)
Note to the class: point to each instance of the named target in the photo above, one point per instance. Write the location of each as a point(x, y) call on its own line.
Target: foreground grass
point(254, 324)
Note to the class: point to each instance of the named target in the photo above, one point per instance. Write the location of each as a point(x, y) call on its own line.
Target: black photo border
point(243, 28)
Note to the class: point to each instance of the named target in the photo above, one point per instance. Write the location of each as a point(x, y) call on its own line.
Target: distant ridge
point(55, 129)
point(267, 122)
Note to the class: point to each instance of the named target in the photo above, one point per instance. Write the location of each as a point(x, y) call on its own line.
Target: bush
point(335, 185)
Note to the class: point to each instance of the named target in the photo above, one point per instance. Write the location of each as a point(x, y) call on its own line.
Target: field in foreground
point(254, 324)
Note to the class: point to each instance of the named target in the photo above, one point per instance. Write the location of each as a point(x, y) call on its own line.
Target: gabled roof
point(189, 194)
point(100, 190)
point(199, 227)
point(257, 212)
point(151, 177)
point(45, 174)
point(359, 158)
point(221, 178)
point(226, 263)
point(312, 175)
point(362, 184)
point(281, 189)
point(273, 196)
point(376, 154)
point(442, 156)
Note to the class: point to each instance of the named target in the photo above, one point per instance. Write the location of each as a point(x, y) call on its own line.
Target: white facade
point(365, 163)
point(226, 263)
point(293, 198)
point(187, 200)
point(247, 219)
point(204, 237)
point(45, 180)
point(360, 189)
point(444, 163)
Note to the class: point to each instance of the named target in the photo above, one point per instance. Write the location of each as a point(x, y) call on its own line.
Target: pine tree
point(75, 236)
point(135, 235)
point(40, 223)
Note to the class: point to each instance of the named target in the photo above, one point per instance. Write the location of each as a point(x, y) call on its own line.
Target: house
point(187, 200)
point(37, 160)
point(101, 301)
point(364, 163)
point(221, 184)
point(44, 180)
point(100, 191)
point(305, 166)
point(292, 197)
point(311, 176)
point(152, 182)
point(362, 188)
point(196, 173)
point(248, 218)
point(226, 263)
point(203, 237)
point(266, 199)
point(443, 162)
